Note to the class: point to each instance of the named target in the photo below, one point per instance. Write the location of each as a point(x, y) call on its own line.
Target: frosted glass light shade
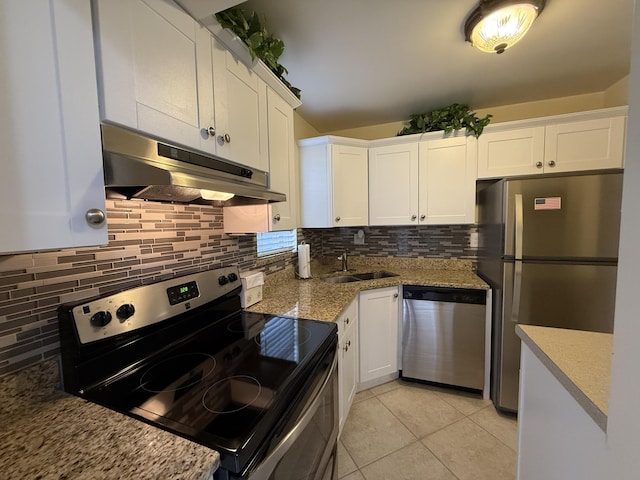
point(494, 28)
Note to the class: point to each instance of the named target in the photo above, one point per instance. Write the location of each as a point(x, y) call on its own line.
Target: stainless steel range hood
point(136, 166)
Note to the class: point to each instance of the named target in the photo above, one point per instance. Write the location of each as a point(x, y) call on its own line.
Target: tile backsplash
point(150, 241)
point(428, 241)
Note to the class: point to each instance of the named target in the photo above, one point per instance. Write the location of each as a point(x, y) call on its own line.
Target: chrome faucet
point(343, 257)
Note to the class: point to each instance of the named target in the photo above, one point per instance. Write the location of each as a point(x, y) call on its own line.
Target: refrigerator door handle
point(519, 226)
point(517, 287)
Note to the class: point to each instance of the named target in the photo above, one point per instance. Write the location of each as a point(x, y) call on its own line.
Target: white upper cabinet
point(283, 178)
point(393, 184)
point(584, 145)
point(163, 74)
point(148, 73)
point(283, 172)
point(333, 182)
point(240, 99)
point(423, 183)
point(510, 152)
point(567, 143)
point(447, 181)
point(51, 175)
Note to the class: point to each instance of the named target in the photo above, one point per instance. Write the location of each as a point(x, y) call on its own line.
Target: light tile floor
point(410, 431)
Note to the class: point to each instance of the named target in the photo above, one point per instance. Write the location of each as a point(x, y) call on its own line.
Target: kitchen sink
point(342, 279)
point(374, 275)
point(358, 277)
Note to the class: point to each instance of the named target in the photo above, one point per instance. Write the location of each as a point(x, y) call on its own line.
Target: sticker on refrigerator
point(547, 203)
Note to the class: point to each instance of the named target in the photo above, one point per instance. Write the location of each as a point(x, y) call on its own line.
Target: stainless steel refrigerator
point(548, 247)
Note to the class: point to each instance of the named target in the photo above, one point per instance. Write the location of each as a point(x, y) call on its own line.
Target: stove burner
point(198, 366)
point(233, 394)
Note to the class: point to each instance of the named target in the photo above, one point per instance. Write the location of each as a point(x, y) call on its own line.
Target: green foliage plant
point(453, 117)
point(261, 44)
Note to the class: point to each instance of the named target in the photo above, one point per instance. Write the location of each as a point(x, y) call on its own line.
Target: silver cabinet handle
point(552, 163)
point(227, 138)
point(276, 217)
point(337, 219)
point(413, 218)
point(211, 131)
point(95, 216)
point(395, 295)
point(539, 164)
point(346, 321)
point(422, 217)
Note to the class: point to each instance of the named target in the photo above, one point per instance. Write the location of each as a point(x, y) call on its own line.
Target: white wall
point(624, 403)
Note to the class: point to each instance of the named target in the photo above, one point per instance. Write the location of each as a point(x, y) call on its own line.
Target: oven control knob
point(125, 311)
point(222, 280)
point(232, 277)
point(100, 319)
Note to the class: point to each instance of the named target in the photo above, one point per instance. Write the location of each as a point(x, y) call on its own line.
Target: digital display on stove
point(182, 293)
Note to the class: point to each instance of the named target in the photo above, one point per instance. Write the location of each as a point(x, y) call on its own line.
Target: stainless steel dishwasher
point(443, 335)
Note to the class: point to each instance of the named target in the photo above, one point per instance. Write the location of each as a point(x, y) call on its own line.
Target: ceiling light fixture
point(495, 25)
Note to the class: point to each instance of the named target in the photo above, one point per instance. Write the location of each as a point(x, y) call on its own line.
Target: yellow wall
point(302, 129)
point(614, 96)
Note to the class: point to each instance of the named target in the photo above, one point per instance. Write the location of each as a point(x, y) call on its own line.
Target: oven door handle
point(267, 466)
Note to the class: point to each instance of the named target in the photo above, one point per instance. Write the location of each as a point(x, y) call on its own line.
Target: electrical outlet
point(473, 240)
point(358, 238)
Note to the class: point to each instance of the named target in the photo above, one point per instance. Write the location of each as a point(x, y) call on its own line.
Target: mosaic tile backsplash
point(148, 242)
point(151, 241)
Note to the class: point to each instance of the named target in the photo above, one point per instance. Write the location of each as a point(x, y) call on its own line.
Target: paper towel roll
point(304, 260)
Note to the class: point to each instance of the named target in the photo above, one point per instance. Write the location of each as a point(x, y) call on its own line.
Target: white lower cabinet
point(379, 316)
point(348, 358)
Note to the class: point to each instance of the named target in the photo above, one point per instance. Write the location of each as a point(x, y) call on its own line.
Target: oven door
point(308, 450)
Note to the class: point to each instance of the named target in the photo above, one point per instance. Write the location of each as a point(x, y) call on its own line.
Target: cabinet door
point(393, 185)
point(282, 164)
point(147, 55)
point(348, 360)
point(350, 186)
point(240, 98)
point(511, 152)
point(447, 181)
point(378, 327)
point(584, 145)
point(51, 175)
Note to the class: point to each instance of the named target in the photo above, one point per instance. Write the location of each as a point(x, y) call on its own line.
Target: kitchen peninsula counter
point(579, 360)
point(48, 434)
point(315, 299)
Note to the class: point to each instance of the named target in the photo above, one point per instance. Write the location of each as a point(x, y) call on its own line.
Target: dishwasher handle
point(440, 294)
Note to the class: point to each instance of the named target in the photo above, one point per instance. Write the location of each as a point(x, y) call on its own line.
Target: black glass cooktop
point(226, 384)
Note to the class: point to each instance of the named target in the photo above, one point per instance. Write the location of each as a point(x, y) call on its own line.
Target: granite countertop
point(47, 434)
point(313, 298)
point(581, 361)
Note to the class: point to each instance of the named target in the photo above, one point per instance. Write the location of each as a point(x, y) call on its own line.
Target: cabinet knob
point(552, 163)
point(422, 217)
point(347, 345)
point(276, 217)
point(539, 164)
point(222, 139)
point(337, 219)
point(395, 295)
point(413, 218)
point(95, 216)
point(346, 321)
point(211, 131)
